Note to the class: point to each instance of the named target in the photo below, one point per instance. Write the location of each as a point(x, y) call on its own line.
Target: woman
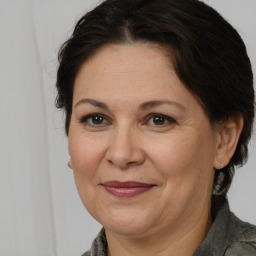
point(159, 105)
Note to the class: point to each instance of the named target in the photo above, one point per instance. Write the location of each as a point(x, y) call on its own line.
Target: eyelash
point(167, 120)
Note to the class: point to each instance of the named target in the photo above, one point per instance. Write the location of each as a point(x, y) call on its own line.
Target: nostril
point(131, 163)
point(109, 161)
point(122, 164)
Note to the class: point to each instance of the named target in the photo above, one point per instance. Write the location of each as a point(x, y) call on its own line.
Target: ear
point(228, 133)
point(70, 164)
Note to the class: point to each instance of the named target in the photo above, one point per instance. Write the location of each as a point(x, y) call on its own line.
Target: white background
point(40, 211)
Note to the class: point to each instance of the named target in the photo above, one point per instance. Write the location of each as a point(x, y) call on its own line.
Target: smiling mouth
point(126, 189)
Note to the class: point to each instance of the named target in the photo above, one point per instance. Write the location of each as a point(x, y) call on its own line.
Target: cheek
point(86, 153)
point(185, 165)
point(173, 153)
point(184, 158)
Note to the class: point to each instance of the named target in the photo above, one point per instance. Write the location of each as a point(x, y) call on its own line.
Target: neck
point(180, 241)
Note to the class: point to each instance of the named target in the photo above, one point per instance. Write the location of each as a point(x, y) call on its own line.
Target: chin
point(128, 223)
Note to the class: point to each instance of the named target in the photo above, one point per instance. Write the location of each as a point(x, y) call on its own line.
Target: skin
point(125, 143)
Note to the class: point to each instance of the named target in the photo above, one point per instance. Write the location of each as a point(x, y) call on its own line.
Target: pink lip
point(126, 189)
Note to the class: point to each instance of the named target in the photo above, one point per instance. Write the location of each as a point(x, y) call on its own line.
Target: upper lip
point(126, 184)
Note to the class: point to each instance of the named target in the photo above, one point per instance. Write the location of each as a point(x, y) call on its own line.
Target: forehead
point(126, 64)
point(128, 57)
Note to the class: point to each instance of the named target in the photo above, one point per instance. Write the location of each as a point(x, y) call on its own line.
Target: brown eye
point(159, 120)
point(97, 119)
point(94, 120)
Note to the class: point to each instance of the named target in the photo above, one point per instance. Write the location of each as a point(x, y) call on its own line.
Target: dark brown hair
point(208, 55)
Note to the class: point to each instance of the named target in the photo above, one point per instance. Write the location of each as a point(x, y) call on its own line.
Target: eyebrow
point(144, 106)
point(92, 102)
point(155, 103)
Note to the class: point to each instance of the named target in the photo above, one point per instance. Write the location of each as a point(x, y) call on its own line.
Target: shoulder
point(228, 235)
point(87, 253)
point(243, 241)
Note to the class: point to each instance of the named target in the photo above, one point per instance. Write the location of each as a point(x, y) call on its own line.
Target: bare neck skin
point(178, 242)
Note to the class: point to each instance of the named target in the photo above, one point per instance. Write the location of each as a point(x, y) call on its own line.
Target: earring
point(221, 165)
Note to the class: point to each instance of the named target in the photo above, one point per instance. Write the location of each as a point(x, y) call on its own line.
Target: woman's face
point(142, 149)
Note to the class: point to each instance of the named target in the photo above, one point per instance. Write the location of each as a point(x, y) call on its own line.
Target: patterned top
point(228, 236)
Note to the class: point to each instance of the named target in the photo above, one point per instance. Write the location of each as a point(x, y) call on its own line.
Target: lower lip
point(126, 192)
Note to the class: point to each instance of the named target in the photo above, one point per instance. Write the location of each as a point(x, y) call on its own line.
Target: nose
point(124, 149)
